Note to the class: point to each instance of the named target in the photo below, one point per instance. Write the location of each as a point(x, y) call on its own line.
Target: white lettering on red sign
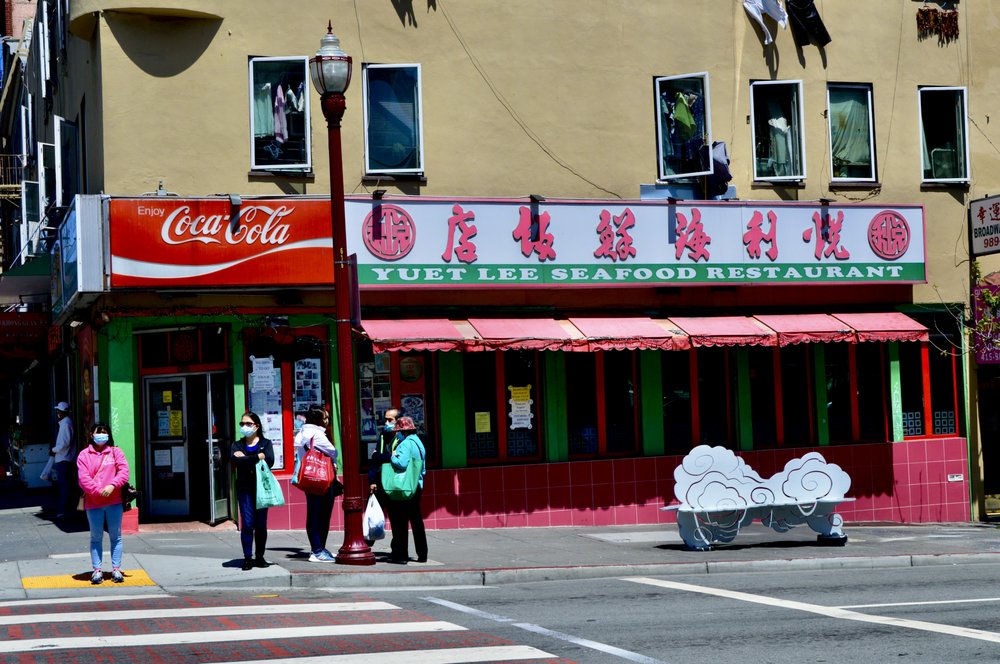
point(258, 225)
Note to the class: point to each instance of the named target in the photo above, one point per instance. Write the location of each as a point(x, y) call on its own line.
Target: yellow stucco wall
point(520, 97)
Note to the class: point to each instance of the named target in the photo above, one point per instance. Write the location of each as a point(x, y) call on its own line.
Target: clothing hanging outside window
point(806, 23)
point(758, 8)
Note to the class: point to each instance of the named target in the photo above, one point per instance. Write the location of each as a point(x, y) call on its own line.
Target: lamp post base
point(355, 550)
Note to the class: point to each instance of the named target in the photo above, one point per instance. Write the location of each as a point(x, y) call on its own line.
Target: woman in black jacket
point(247, 452)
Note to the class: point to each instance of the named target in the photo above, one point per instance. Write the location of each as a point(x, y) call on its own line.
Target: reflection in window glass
point(279, 114)
point(620, 401)
point(943, 131)
point(676, 402)
point(481, 405)
point(393, 130)
point(851, 146)
point(683, 126)
point(581, 403)
point(777, 131)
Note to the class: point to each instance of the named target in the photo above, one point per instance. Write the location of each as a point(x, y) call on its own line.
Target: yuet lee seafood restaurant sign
point(448, 243)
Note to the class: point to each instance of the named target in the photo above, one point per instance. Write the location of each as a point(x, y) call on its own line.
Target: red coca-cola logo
point(392, 235)
point(258, 225)
point(889, 235)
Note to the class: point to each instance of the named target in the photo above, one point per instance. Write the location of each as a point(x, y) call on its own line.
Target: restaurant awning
point(586, 334)
point(727, 331)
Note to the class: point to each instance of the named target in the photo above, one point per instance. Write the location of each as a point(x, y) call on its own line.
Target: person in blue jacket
point(248, 450)
point(404, 514)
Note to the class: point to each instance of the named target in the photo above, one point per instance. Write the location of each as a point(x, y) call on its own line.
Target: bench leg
point(700, 530)
point(830, 528)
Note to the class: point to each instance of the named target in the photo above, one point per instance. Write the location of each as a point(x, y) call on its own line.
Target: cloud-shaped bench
point(719, 493)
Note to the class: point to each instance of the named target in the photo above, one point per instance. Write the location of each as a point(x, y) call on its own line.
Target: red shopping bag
point(315, 473)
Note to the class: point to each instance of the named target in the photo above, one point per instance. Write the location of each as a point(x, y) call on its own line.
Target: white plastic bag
point(48, 473)
point(373, 525)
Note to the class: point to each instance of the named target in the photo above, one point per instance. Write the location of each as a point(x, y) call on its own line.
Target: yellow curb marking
point(133, 577)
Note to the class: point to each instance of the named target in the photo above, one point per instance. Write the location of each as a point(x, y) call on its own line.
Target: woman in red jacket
point(103, 471)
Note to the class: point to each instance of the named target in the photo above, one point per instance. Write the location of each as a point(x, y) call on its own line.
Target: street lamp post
point(330, 71)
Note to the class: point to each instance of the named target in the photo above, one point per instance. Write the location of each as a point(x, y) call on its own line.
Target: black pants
point(318, 512)
point(404, 514)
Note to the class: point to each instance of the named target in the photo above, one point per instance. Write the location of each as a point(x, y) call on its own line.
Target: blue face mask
point(101, 438)
point(246, 431)
point(390, 426)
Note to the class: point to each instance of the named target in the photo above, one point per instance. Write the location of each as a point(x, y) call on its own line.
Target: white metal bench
point(719, 494)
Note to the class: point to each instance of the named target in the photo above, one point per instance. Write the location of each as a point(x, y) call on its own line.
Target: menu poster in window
point(381, 363)
point(265, 400)
point(307, 389)
point(520, 407)
point(412, 405)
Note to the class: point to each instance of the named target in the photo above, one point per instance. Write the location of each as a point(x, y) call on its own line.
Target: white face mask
point(101, 439)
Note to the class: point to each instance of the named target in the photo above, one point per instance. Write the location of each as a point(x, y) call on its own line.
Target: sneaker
point(97, 577)
point(117, 576)
point(321, 557)
point(327, 552)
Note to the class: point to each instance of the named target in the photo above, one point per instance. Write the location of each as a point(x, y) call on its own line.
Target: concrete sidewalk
point(178, 556)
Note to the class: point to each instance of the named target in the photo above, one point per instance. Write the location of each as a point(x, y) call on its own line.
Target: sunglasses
point(247, 424)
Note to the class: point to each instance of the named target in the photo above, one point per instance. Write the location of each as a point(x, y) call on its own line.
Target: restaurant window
point(620, 399)
point(777, 130)
point(502, 405)
point(763, 397)
point(852, 133)
point(943, 368)
point(797, 396)
point(838, 392)
point(683, 126)
point(581, 403)
point(602, 403)
point(279, 114)
point(186, 348)
point(912, 388)
point(393, 119)
point(676, 372)
point(716, 397)
point(872, 395)
point(944, 130)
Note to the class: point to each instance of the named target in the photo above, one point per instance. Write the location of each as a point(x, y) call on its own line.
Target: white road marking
point(940, 601)
point(188, 638)
point(443, 656)
point(830, 612)
point(81, 600)
point(58, 556)
point(196, 612)
point(586, 643)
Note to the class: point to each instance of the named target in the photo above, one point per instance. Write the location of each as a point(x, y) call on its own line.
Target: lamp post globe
point(330, 71)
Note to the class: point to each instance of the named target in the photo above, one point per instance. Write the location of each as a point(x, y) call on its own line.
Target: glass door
point(221, 434)
point(167, 483)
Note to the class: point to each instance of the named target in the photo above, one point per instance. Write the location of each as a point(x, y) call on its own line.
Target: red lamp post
point(330, 71)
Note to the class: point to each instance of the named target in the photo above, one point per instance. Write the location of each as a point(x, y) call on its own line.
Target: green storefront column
point(895, 393)
point(744, 405)
point(651, 403)
point(555, 415)
point(118, 408)
point(451, 396)
point(822, 414)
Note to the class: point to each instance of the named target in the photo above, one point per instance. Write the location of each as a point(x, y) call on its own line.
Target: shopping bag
point(47, 474)
point(402, 484)
point(315, 473)
point(373, 525)
point(268, 489)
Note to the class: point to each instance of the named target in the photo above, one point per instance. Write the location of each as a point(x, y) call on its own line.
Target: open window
point(683, 126)
point(46, 177)
point(280, 139)
point(394, 134)
point(67, 167)
point(777, 130)
point(944, 128)
point(852, 133)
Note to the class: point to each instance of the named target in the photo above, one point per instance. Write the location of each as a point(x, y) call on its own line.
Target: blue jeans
point(253, 523)
point(97, 516)
point(318, 512)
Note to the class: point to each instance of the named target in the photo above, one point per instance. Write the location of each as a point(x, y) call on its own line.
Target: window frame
point(601, 415)
point(867, 89)
point(964, 96)
point(306, 164)
point(366, 108)
point(661, 176)
point(797, 86)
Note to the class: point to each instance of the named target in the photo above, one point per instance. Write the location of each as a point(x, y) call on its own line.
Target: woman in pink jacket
point(103, 471)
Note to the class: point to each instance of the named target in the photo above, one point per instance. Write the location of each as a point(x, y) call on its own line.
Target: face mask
point(101, 438)
point(297, 425)
point(390, 426)
point(246, 431)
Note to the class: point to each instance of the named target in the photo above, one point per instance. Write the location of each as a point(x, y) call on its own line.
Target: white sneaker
point(97, 577)
point(321, 557)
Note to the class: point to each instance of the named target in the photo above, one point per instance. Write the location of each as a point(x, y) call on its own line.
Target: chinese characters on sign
point(505, 243)
point(984, 221)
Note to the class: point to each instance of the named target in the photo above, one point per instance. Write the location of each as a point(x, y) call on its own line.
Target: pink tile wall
point(891, 482)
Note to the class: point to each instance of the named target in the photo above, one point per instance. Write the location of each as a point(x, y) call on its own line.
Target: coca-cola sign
point(194, 242)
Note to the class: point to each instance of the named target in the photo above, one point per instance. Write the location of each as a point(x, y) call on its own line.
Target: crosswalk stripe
point(442, 656)
point(200, 612)
point(82, 600)
point(187, 638)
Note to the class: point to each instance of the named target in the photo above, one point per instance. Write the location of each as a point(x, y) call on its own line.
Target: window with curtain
point(852, 137)
point(776, 124)
point(683, 126)
point(944, 149)
point(279, 114)
point(393, 119)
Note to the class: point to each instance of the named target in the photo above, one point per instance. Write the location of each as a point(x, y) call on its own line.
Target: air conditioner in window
point(944, 164)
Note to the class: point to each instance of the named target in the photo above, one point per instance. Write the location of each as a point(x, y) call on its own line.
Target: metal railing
point(11, 175)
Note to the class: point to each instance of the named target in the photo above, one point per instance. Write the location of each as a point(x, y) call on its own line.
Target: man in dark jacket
point(381, 455)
